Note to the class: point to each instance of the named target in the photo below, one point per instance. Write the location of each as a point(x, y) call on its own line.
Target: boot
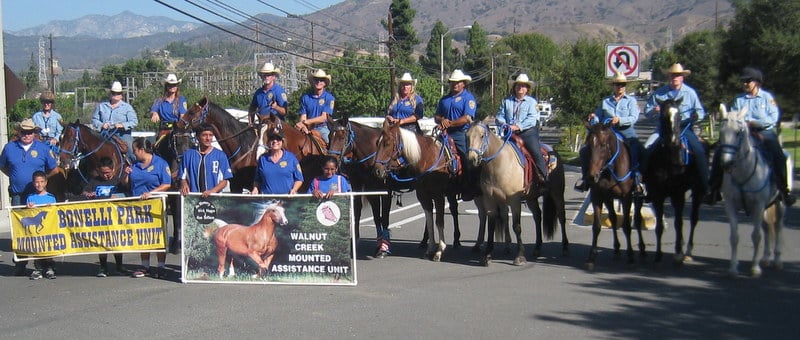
point(788, 198)
point(581, 185)
point(713, 195)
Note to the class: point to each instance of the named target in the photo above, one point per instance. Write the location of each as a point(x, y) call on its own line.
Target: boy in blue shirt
point(40, 196)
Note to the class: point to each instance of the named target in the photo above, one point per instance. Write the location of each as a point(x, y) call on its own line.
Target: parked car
point(545, 113)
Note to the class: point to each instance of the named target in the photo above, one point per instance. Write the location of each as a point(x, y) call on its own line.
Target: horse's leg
point(612, 217)
point(637, 223)
point(358, 204)
point(427, 207)
point(491, 221)
point(778, 230)
point(222, 251)
point(516, 224)
point(678, 201)
point(256, 257)
point(768, 227)
point(452, 200)
point(626, 225)
point(694, 217)
point(481, 225)
point(536, 211)
point(658, 210)
point(730, 209)
point(440, 245)
point(598, 209)
point(264, 271)
point(758, 219)
point(502, 220)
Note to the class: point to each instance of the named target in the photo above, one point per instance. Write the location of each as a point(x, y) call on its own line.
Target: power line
point(303, 18)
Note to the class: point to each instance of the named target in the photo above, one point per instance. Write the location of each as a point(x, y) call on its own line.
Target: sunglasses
point(116, 93)
point(47, 102)
point(317, 80)
point(748, 80)
point(275, 139)
point(619, 84)
point(172, 85)
point(28, 132)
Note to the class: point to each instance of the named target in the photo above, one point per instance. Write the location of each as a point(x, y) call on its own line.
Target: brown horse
point(611, 177)
point(428, 162)
point(257, 241)
point(81, 150)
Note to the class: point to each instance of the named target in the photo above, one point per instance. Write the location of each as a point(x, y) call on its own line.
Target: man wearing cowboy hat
point(316, 106)
point(116, 117)
point(270, 98)
point(48, 120)
point(622, 112)
point(691, 110)
point(519, 115)
point(453, 115)
point(168, 108)
point(406, 107)
point(762, 117)
point(20, 159)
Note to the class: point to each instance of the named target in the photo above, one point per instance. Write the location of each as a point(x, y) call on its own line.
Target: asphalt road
point(405, 296)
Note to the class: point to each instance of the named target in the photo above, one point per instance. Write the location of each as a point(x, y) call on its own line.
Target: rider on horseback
point(269, 99)
point(762, 117)
point(519, 111)
point(623, 112)
point(316, 106)
point(167, 109)
point(453, 115)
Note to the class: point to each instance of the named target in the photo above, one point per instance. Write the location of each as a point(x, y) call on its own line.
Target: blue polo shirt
point(144, 180)
point(324, 184)
point(313, 106)
point(278, 178)
point(20, 164)
point(263, 100)
point(453, 107)
point(216, 168)
point(691, 102)
point(44, 198)
point(167, 110)
point(404, 109)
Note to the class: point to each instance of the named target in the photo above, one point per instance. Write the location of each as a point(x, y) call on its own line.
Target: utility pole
point(390, 44)
point(52, 70)
point(42, 75)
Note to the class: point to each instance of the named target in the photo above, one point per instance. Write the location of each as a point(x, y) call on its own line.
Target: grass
point(791, 143)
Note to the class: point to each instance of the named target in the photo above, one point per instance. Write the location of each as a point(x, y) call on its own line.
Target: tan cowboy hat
point(522, 78)
point(459, 75)
point(619, 77)
point(116, 87)
point(677, 69)
point(268, 68)
point(320, 74)
point(406, 78)
point(28, 125)
point(171, 79)
point(47, 96)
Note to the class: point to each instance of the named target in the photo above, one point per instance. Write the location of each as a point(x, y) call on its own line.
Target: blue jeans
point(530, 138)
point(700, 158)
point(324, 132)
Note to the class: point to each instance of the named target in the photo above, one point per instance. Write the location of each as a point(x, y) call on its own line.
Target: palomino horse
point(399, 149)
point(236, 138)
point(748, 185)
point(257, 241)
point(502, 180)
point(308, 149)
point(669, 174)
point(81, 150)
point(611, 177)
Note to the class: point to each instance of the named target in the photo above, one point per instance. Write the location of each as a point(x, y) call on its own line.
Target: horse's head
point(604, 147)
point(68, 156)
point(276, 213)
point(478, 141)
point(396, 148)
point(670, 120)
point(733, 136)
point(194, 115)
point(341, 138)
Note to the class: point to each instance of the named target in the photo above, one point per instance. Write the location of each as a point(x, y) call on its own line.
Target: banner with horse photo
point(258, 239)
point(88, 227)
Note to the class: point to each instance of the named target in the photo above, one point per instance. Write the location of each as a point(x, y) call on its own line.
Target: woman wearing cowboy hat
point(691, 110)
point(518, 113)
point(623, 113)
point(453, 115)
point(762, 117)
point(171, 105)
point(48, 119)
point(316, 106)
point(270, 98)
point(116, 116)
point(406, 106)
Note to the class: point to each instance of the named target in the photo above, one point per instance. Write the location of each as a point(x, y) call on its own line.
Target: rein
point(742, 156)
point(78, 156)
point(610, 164)
point(485, 144)
point(350, 143)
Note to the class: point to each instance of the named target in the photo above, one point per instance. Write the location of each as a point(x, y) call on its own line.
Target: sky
point(22, 14)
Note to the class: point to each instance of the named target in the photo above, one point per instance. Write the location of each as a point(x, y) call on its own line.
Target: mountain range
point(90, 41)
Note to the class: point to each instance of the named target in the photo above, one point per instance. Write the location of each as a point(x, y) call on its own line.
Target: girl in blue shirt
point(330, 182)
point(406, 107)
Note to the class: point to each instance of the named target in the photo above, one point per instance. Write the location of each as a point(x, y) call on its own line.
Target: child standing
point(40, 196)
point(330, 182)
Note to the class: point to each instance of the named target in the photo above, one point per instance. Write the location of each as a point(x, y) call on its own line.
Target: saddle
point(451, 152)
point(316, 138)
point(531, 172)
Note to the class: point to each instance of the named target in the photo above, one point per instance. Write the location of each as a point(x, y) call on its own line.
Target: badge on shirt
point(458, 99)
point(298, 168)
point(34, 153)
point(283, 96)
point(150, 168)
point(46, 130)
point(185, 106)
point(321, 102)
point(283, 164)
point(269, 96)
point(407, 103)
point(472, 104)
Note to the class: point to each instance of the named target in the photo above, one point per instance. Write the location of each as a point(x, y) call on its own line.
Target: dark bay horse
point(237, 139)
point(81, 150)
point(257, 241)
point(669, 175)
point(427, 160)
point(502, 180)
point(611, 177)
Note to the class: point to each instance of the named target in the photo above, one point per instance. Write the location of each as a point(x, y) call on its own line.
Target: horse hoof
point(520, 261)
point(486, 261)
point(476, 248)
point(565, 253)
point(456, 244)
point(688, 258)
point(589, 266)
point(380, 254)
point(437, 257)
point(756, 272)
point(536, 253)
point(778, 265)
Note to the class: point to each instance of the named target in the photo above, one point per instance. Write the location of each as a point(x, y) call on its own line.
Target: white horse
point(747, 185)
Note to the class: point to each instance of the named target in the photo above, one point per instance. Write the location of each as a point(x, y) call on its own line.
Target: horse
point(308, 148)
point(748, 185)
point(669, 174)
point(170, 147)
point(81, 149)
point(610, 177)
point(399, 149)
point(502, 181)
point(257, 241)
point(237, 139)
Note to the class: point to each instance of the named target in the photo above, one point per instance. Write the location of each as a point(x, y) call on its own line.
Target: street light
point(492, 85)
point(441, 56)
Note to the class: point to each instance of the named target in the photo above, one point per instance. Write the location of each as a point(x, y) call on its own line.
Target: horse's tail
point(553, 200)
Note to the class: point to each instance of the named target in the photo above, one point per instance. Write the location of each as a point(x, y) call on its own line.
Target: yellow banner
point(97, 226)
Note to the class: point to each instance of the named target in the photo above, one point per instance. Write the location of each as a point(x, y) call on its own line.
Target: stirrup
point(581, 185)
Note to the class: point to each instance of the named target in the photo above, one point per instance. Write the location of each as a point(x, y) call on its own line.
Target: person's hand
point(154, 117)
point(118, 125)
point(128, 170)
point(89, 194)
point(184, 190)
point(615, 121)
point(293, 191)
point(146, 195)
point(53, 141)
point(513, 128)
point(591, 116)
point(30, 204)
point(317, 194)
point(254, 191)
point(106, 126)
point(205, 194)
point(444, 124)
point(330, 194)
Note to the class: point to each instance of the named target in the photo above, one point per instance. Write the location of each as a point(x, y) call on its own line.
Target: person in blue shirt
point(519, 115)
point(763, 117)
point(48, 120)
point(116, 117)
point(316, 106)
point(691, 110)
point(453, 115)
point(406, 107)
point(622, 111)
point(330, 182)
point(168, 109)
point(271, 97)
point(103, 186)
point(278, 170)
point(40, 196)
point(204, 169)
point(149, 174)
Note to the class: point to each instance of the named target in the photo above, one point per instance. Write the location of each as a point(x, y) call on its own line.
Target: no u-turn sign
point(623, 58)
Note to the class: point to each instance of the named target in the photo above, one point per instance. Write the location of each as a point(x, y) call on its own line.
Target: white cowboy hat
point(171, 79)
point(406, 78)
point(268, 68)
point(320, 74)
point(619, 77)
point(116, 87)
point(28, 125)
point(677, 69)
point(459, 75)
point(522, 78)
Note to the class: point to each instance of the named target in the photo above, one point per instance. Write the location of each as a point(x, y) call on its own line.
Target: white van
point(545, 112)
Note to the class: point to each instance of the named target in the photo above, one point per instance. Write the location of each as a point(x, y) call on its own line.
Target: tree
point(534, 54)
point(700, 52)
point(31, 77)
point(431, 61)
point(581, 85)
point(477, 64)
point(405, 37)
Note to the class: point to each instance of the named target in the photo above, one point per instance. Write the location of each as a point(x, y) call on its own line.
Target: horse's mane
point(263, 208)
point(411, 149)
point(227, 121)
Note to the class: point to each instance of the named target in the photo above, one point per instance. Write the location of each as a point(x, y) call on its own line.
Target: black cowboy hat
point(752, 73)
